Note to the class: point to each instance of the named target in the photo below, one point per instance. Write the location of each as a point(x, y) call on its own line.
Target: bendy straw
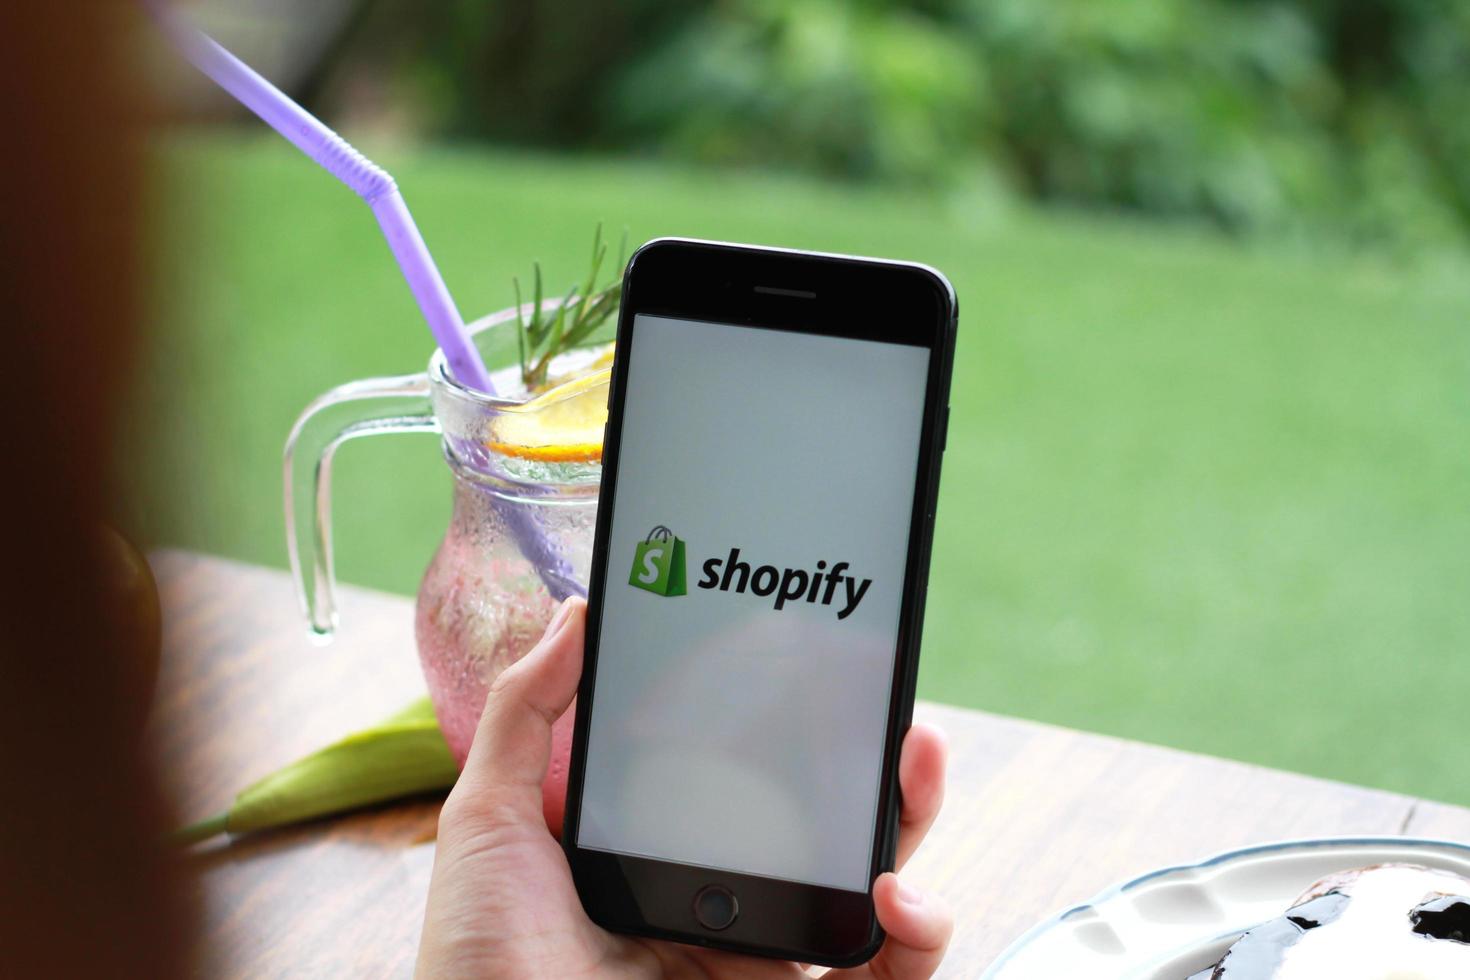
point(369, 181)
point(373, 184)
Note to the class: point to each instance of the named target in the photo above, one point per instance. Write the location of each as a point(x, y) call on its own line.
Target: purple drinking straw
point(375, 186)
point(368, 180)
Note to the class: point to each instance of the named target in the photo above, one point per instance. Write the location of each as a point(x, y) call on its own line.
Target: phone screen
point(764, 492)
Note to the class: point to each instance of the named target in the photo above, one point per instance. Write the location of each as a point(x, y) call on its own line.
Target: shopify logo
point(658, 563)
point(787, 584)
point(659, 567)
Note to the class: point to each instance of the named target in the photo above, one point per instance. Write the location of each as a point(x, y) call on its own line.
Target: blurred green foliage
point(1284, 117)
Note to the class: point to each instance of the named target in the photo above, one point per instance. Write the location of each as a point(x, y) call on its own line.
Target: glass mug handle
point(370, 407)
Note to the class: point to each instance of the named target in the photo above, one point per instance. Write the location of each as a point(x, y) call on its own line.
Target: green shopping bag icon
point(658, 563)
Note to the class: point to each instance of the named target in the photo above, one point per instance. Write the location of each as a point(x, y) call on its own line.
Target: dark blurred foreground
point(85, 889)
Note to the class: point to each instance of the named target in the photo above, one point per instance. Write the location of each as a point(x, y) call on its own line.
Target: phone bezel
point(804, 292)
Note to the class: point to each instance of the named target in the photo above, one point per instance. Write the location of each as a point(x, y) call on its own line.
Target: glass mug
point(520, 534)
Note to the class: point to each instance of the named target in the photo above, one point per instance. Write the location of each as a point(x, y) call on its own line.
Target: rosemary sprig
point(540, 337)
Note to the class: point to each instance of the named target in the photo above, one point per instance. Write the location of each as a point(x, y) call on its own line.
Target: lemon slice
point(561, 425)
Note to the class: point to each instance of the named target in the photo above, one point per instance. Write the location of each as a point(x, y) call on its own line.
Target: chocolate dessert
point(1384, 922)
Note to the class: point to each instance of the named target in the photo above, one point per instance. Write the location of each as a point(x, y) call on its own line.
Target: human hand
point(502, 902)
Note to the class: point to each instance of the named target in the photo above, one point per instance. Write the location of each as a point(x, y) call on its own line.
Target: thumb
point(918, 927)
point(512, 746)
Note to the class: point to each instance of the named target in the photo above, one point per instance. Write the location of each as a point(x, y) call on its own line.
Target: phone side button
point(715, 907)
point(944, 431)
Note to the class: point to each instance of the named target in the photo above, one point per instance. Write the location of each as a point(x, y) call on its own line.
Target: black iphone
point(775, 426)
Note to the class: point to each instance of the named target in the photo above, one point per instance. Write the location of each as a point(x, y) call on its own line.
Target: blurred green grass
point(1194, 494)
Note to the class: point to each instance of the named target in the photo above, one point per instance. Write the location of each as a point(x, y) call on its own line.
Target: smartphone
point(775, 426)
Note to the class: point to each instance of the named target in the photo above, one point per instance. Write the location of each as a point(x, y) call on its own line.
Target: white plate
point(1174, 922)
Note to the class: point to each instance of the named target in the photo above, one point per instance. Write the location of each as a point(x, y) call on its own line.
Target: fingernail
point(909, 895)
point(559, 620)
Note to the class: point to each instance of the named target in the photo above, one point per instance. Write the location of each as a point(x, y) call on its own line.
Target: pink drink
point(481, 607)
point(482, 613)
point(519, 538)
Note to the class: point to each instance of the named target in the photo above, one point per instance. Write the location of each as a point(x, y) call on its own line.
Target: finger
point(921, 766)
point(918, 927)
point(512, 746)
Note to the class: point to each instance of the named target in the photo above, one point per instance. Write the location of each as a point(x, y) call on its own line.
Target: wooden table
point(1037, 817)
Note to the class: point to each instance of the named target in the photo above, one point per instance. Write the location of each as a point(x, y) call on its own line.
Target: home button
point(715, 907)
